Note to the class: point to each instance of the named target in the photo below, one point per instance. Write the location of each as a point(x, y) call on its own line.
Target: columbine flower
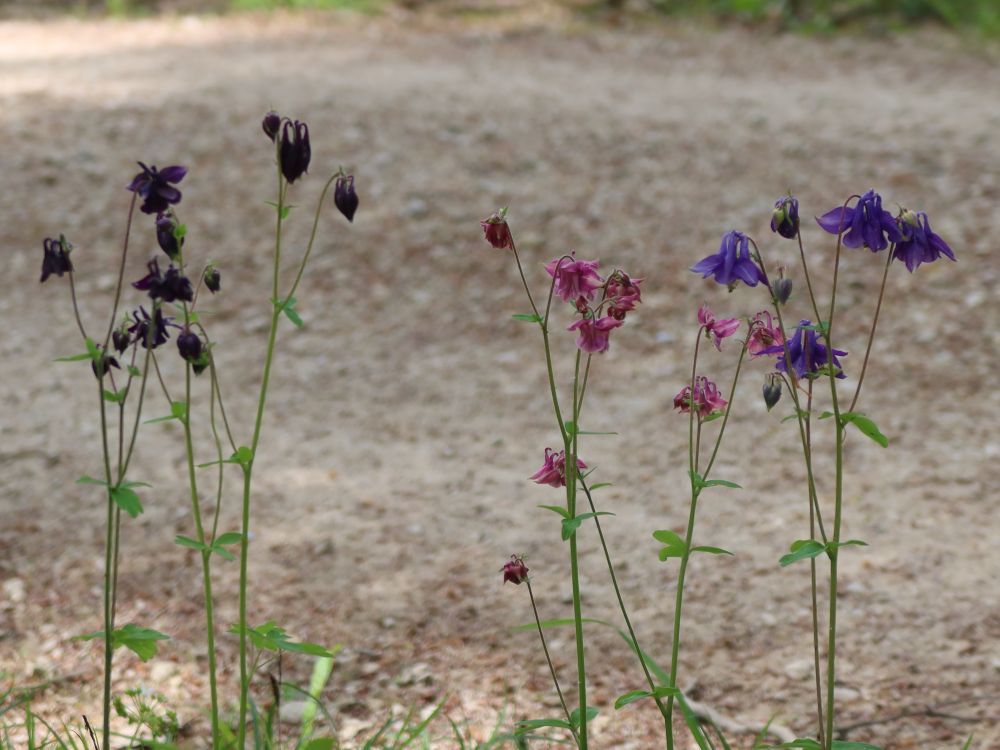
point(189, 345)
point(102, 363)
point(121, 339)
point(169, 287)
point(153, 186)
point(782, 289)
point(706, 397)
point(149, 332)
point(213, 280)
point(785, 219)
point(344, 197)
point(717, 328)
point(624, 294)
point(919, 243)
point(732, 263)
point(165, 237)
point(865, 225)
point(595, 335)
point(806, 353)
point(764, 333)
point(294, 152)
point(56, 258)
point(271, 125)
point(514, 570)
point(496, 231)
point(553, 471)
point(574, 278)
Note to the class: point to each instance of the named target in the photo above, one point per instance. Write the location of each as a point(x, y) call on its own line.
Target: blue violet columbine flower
point(785, 218)
point(732, 263)
point(154, 187)
point(805, 352)
point(919, 243)
point(865, 225)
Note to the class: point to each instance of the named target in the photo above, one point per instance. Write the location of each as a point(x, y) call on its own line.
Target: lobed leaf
point(801, 550)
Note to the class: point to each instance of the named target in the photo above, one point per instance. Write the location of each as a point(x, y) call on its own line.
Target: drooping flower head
point(785, 218)
point(732, 263)
point(806, 353)
point(166, 236)
point(594, 336)
point(169, 287)
point(294, 152)
point(121, 339)
point(553, 471)
point(344, 197)
point(213, 279)
point(271, 124)
point(706, 398)
point(764, 333)
point(149, 332)
point(104, 361)
point(189, 345)
point(496, 231)
point(574, 278)
point(716, 328)
point(771, 390)
point(624, 293)
point(154, 187)
point(514, 570)
point(56, 257)
point(919, 243)
point(865, 225)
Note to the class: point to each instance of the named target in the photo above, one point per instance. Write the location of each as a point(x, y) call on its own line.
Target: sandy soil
point(407, 413)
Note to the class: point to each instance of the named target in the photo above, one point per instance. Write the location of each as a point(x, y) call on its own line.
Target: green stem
point(109, 575)
point(813, 593)
point(572, 474)
point(312, 238)
point(548, 659)
point(871, 334)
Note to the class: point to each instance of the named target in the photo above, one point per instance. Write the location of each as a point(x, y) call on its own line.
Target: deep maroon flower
point(806, 353)
point(100, 366)
point(165, 237)
point(514, 570)
point(169, 287)
point(56, 257)
point(716, 328)
point(624, 294)
point(496, 231)
point(121, 339)
point(271, 125)
point(574, 278)
point(785, 218)
point(189, 345)
point(764, 333)
point(866, 225)
point(553, 471)
point(153, 186)
point(732, 263)
point(344, 196)
point(149, 332)
point(294, 152)
point(706, 397)
point(919, 243)
point(213, 280)
point(594, 335)
point(772, 391)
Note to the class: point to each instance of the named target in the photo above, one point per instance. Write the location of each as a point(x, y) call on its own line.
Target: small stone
point(292, 711)
point(799, 669)
point(13, 591)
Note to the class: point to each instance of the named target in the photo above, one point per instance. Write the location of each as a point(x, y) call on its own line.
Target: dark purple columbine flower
point(149, 332)
point(121, 339)
point(189, 345)
point(213, 280)
point(865, 225)
point(165, 237)
point(271, 125)
point(514, 570)
point(806, 353)
point(169, 287)
point(100, 366)
point(344, 197)
point(154, 187)
point(919, 243)
point(56, 258)
point(294, 152)
point(496, 231)
point(732, 263)
point(785, 219)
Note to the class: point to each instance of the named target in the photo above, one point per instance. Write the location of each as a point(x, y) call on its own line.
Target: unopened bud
point(772, 392)
point(782, 290)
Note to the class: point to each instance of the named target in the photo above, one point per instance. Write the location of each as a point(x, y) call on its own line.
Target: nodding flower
point(56, 257)
point(514, 570)
point(764, 333)
point(732, 263)
point(155, 187)
point(866, 224)
point(150, 332)
point(553, 471)
point(706, 398)
point(594, 334)
point(496, 231)
point(919, 243)
point(294, 152)
point(717, 328)
point(344, 197)
point(574, 278)
point(785, 218)
point(805, 353)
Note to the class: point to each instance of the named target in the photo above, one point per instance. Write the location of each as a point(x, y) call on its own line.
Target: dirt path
point(408, 411)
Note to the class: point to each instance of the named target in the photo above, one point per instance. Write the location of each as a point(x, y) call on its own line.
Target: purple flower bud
point(785, 219)
point(189, 345)
point(56, 257)
point(496, 231)
point(782, 290)
point(100, 366)
point(772, 391)
point(295, 152)
point(271, 125)
point(165, 237)
point(515, 571)
point(213, 281)
point(344, 196)
point(121, 340)
point(153, 186)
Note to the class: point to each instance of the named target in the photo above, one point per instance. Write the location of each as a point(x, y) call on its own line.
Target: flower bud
point(213, 281)
point(189, 345)
point(101, 364)
point(496, 231)
point(165, 237)
point(271, 124)
point(344, 196)
point(121, 340)
point(772, 391)
point(782, 290)
point(515, 571)
point(785, 218)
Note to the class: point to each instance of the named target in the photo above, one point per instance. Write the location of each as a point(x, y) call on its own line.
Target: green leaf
point(675, 546)
point(134, 371)
point(178, 410)
point(243, 455)
point(661, 691)
point(712, 550)
point(822, 327)
point(826, 415)
point(693, 723)
point(574, 715)
point(713, 416)
point(867, 427)
point(293, 316)
point(570, 525)
point(270, 637)
point(186, 541)
point(796, 414)
point(805, 744)
point(696, 480)
point(140, 641)
point(115, 397)
point(523, 727)
point(532, 318)
point(570, 427)
point(90, 480)
point(556, 509)
point(230, 537)
point(180, 231)
point(968, 743)
point(222, 552)
point(848, 543)
point(126, 499)
point(558, 623)
point(844, 745)
point(590, 432)
point(75, 358)
point(320, 743)
point(92, 349)
point(720, 483)
point(136, 484)
point(595, 487)
point(802, 549)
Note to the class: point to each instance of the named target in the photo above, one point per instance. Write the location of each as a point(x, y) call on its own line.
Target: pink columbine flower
point(717, 328)
point(624, 294)
point(553, 471)
point(764, 333)
point(595, 335)
point(574, 278)
point(706, 397)
point(515, 571)
point(496, 231)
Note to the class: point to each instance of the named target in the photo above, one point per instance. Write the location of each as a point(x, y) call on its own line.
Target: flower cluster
point(553, 471)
